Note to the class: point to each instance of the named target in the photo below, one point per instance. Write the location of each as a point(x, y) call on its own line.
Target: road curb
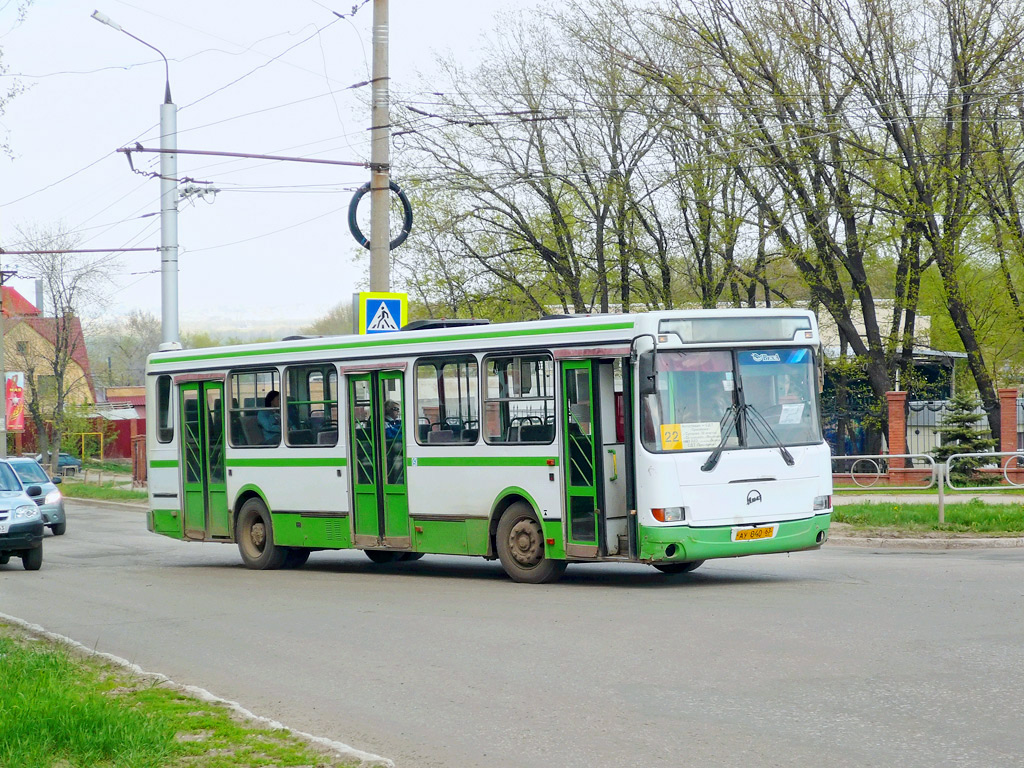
point(887, 542)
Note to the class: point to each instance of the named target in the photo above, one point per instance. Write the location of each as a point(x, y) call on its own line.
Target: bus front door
point(380, 506)
point(581, 471)
point(202, 445)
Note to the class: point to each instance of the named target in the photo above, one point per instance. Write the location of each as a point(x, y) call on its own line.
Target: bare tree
point(56, 367)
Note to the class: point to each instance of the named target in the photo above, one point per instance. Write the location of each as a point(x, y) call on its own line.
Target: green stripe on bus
point(473, 461)
point(164, 464)
point(377, 341)
point(330, 461)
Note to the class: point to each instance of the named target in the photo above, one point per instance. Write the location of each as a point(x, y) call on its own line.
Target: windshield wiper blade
point(775, 442)
point(728, 420)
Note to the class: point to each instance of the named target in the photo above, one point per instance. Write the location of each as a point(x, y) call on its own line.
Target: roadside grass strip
point(973, 516)
point(106, 492)
point(61, 705)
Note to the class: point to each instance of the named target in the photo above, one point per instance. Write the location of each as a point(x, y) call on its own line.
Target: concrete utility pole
point(168, 201)
point(380, 134)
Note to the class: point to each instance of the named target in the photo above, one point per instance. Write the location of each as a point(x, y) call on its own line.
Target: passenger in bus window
point(270, 420)
point(392, 420)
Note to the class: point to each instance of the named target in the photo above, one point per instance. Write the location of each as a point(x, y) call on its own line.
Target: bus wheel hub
point(526, 543)
point(258, 535)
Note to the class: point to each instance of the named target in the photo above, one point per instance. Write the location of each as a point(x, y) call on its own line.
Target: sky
point(272, 247)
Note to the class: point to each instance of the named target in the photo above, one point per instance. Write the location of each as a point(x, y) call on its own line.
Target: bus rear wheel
point(381, 556)
point(520, 544)
point(296, 557)
point(679, 567)
point(254, 533)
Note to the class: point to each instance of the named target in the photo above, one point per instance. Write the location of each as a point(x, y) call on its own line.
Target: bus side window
point(519, 399)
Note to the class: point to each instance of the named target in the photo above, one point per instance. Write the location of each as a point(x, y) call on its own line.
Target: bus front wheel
point(520, 544)
point(254, 533)
point(679, 567)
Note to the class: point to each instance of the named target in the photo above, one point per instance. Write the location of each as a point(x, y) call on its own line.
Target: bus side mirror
point(648, 384)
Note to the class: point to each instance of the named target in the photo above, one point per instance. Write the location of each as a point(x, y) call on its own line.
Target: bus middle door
point(203, 484)
point(380, 496)
point(582, 473)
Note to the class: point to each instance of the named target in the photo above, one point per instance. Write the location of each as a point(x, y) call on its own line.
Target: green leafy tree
point(959, 433)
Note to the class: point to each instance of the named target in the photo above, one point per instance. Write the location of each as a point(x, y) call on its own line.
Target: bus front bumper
point(681, 543)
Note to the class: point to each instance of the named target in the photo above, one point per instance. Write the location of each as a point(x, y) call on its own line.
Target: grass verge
point(76, 489)
point(968, 517)
point(61, 708)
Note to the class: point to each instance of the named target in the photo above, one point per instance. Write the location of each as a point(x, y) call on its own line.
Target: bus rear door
point(204, 490)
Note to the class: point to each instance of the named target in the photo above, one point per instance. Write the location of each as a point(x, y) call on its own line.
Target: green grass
point(76, 489)
point(967, 517)
point(58, 708)
point(121, 466)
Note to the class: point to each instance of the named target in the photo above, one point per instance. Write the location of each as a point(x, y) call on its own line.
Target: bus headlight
point(669, 514)
point(26, 512)
point(822, 502)
point(52, 497)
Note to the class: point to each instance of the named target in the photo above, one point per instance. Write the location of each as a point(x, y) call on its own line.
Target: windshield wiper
point(727, 421)
point(775, 442)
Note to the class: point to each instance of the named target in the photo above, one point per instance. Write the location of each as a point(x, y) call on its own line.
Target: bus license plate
point(752, 534)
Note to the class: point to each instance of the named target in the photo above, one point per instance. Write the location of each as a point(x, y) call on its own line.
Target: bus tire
point(679, 567)
point(382, 556)
point(408, 557)
point(520, 545)
point(296, 557)
point(32, 559)
point(254, 533)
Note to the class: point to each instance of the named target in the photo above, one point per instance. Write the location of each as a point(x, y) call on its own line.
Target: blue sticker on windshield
point(760, 358)
point(798, 355)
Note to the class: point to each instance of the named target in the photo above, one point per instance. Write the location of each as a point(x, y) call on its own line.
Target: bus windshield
point(700, 393)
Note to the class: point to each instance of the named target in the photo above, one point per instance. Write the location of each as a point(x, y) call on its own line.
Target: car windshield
point(8, 480)
point(30, 472)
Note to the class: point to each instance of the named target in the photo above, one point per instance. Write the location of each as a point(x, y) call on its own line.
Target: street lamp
point(168, 201)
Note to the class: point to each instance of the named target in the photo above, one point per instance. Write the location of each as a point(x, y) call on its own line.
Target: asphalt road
point(840, 657)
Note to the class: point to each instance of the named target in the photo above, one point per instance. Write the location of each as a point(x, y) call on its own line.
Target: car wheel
point(254, 533)
point(679, 567)
point(59, 528)
point(32, 559)
point(5, 558)
point(520, 544)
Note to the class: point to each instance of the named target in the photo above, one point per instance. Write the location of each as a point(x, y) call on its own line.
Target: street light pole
point(380, 137)
point(168, 201)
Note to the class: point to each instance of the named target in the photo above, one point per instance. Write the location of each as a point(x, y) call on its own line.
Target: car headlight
point(52, 497)
point(26, 512)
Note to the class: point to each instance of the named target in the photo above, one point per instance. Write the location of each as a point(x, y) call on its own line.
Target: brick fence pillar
point(897, 426)
point(1008, 419)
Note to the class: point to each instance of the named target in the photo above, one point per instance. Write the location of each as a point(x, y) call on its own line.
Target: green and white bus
point(664, 438)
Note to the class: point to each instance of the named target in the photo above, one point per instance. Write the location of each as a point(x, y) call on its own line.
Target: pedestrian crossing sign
point(382, 312)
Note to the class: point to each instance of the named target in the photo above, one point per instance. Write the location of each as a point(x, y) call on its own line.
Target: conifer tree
point(960, 434)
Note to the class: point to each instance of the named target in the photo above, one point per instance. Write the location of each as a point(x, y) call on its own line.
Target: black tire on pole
point(353, 207)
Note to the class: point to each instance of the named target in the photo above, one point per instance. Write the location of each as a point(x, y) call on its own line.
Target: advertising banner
point(15, 402)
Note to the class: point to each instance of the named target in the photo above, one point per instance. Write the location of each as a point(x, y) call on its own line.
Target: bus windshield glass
point(751, 399)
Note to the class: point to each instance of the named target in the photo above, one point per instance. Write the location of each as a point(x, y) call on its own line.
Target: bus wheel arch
point(519, 541)
point(510, 496)
point(254, 533)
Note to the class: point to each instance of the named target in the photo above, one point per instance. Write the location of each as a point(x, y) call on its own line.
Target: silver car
point(21, 525)
point(51, 502)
